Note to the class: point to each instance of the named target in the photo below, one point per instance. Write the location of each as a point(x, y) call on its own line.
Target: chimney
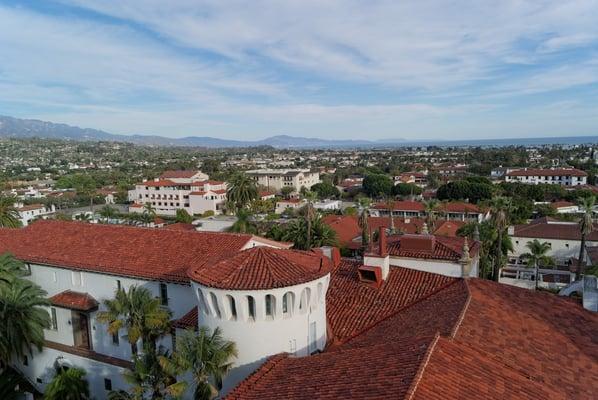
point(382, 241)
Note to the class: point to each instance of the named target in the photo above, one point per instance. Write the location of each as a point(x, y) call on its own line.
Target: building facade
point(276, 179)
point(551, 176)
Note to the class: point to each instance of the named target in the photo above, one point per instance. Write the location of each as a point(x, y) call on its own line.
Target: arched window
point(304, 301)
point(288, 301)
point(202, 302)
point(232, 307)
point(251, 307)
point(270, 305)
point(215, 306)
point(320, 292)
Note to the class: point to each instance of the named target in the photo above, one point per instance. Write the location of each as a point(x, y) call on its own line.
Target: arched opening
point(215, 306)
point(270, 306)
point(251, 308)
point(288, 301)
point(304, 301)
point(232, 307)
point(203, 305)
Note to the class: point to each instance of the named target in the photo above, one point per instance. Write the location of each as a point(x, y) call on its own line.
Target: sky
point(414, 70)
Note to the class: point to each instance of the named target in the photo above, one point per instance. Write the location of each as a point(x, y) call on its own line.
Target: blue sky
point(331, 69)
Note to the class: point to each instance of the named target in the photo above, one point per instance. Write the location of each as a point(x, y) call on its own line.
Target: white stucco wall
point(441, 267)
point(263, 336)
point(560, 249)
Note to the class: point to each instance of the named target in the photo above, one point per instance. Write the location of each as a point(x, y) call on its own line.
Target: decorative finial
point(476, 233)
point(425, 229)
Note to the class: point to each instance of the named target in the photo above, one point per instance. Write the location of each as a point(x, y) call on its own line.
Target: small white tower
point(267, 301)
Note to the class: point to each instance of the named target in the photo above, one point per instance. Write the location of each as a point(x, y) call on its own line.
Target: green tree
point(488, 237)
point(500, 210)
point(363, 221)
point(377, 185)
point(11, 384)
point(183, 216)
point(208, 356)
point(286, 191)
point(586, 226)
point(148, 215)
point(537, 255)
point(241, 191)
point(309, 215)
point(21, 303)
point(9, 216)
point(108, 212)
point(431, 209)
point(68, 384)
point(244, 223)
point(325, 190)
point(321, 234)
point(465, 190)
point(406, 189)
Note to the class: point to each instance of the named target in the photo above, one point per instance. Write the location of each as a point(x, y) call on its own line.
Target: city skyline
point(343, 70)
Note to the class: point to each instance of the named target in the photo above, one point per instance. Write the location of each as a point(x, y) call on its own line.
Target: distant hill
point(29, 128)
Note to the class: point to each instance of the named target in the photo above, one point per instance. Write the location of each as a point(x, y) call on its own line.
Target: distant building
point(327, 205)
point(291, 204)
point(416, 178)
point(276, 179)
point(173, 190)
point(30, 212)
point(554, 176)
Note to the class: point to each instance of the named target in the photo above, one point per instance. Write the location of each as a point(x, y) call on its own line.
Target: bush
point(406, 189)
point(325, 190)
point(377, 185)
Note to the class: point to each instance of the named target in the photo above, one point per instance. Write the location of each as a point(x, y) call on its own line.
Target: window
point(287, 303)
point(107, 384)
point(233, 307)
point(251, 307)
point(214, 301)
point(202, 302)
point(269, 305)
point(115, 339)
point(54, 320)
point(164, 294)
point(304, 301)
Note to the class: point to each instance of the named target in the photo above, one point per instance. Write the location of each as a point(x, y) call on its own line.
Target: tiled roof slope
point(189, 320)
point(445, 248)
point(563, 231)
point(352, 306)
point(496, 342)
point(74, 300)
point(156, 254)
point(263, 268)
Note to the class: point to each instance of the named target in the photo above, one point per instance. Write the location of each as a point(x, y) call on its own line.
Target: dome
point(261, 268)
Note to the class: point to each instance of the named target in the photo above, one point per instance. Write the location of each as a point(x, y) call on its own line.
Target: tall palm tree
point(321, 234)
point(586, 226)
point(154, 375)
point(68, 384)
point(243, 224)
point(431, 209)
point(389, 203)
point(500, 210)
point(21, 303)
point(241, 190)
point(148, 215)
point(9, 216)
point(363, 221)
point(309, 214)
point(140, 313)
point(537, 255)
point(208, 356)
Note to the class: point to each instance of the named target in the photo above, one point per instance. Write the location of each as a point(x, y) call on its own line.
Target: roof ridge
point(463, 311)
point(358, 333)
point(422, 366)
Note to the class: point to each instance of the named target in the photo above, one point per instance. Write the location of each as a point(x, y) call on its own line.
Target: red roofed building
point(457, 211)
point(555, 176)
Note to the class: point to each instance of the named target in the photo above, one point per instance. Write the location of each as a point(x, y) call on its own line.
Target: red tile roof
point(469, 339)
point(402, 206)
point(547, 172)
point(156, 254)
point(74, 300)
point(160, 183)
point(189, 320)
point(180, 226)
point(460, 207)
point(448, 228)
point(555, 230)
point(263, 268)
point(429, 247)
point(30, 207)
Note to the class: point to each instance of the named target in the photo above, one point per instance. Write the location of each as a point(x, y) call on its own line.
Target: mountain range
point(30, 128)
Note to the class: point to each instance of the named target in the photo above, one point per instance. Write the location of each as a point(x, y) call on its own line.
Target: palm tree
point(10, 267)
point(68, 384)
point(11, 384)
point(9, 216)
point(586, 226)
point(241, 190)
point(363, 222)
point(148, 215)
point(389, 203)
point(537, 255)
point(140, 313)
point(209, 358)
point(321, 234)
point(154, 375)
point(21, 303)
point(309, 214)
point(243, 224)
point(431, 209)
point(107, 212)
point(500, 210)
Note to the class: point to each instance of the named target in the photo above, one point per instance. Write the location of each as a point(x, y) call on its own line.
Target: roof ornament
point(465, 259)
point(476, 233)
point(425, 229)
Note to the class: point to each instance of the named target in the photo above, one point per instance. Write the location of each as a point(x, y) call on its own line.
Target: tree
point(309, 215)
point(286, 191)
point(241, 190)
point(140, 313)
point(68, 384)
point(321, 234)
point(537, 255)
point(11, 384)
point(108, 212)
point(209, 358)
point(325, 190)
point(363, 222)
point(406, 189)
point(9, 216)
point(500, 209)
point(586, 226)
point(21, 303)
point(183, 216)
point(465, 190)
point(431, 209)
point(148, 215)
point(243, 224)
point(488, 236)
point(377, 185)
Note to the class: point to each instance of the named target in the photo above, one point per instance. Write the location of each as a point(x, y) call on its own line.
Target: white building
point(29, 212)
point(290, 204)
point(329, 205)
point(276, 179)
point(173, 190)
point(78, 281)
point(554, 176)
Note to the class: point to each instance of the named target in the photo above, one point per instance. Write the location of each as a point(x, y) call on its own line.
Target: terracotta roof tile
point(545, 230)
point(189, 320)
point(74, 300)
point(441, 247)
